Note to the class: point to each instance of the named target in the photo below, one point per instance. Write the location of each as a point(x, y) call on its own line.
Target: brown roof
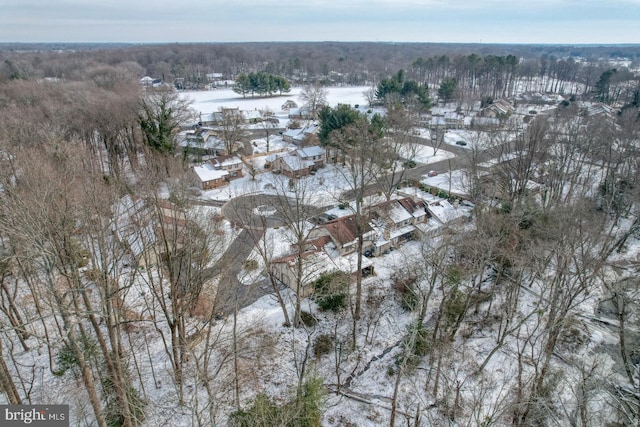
point(411, 206)
point(344, 230)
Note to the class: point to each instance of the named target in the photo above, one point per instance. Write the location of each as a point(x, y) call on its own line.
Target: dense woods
point(116, 293)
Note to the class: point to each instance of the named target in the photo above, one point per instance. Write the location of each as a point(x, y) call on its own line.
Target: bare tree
point(396, 152)
point(294, 203)
point(231, 127)
point(313, 98)
point(358, 144)
point(268, 124)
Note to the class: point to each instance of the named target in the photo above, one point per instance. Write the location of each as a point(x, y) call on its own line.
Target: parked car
point(432, 173)
point(463, 143)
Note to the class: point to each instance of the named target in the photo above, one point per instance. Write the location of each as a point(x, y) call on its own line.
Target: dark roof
point(344, 229)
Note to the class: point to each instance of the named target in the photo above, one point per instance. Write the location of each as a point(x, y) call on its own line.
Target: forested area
point(112, 285)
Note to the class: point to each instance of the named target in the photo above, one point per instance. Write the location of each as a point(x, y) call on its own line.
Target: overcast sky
point(475, 21)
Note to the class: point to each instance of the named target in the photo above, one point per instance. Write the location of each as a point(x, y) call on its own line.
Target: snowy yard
point(207, 102)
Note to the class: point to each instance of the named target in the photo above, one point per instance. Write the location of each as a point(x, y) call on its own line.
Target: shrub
point(330, 291)
point(303, 410)
point(417, 344)
point(455, 306)
point(308, 319)
point(112, 412)
point(323, 345)
point(67, 359)
point(410, 164)
point(250, 265)
point(406, 288)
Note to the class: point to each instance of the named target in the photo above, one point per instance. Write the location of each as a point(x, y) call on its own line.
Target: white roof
point(397, 213)
point(444, 211)
point(273, 157)
point(295, 163)
point(206, 172)
point(252, 114)
point(320, 262)
point(300, 133)
point(210, 143)
point(314, 150)
point(234, 160)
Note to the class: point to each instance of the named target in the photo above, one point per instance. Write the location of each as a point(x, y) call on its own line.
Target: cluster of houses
point(333, 241)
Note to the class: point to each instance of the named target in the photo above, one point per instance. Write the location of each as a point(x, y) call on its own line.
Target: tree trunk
point(6, 381)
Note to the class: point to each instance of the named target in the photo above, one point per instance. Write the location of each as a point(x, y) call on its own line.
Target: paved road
point(254, 214)
point(461, 160)
point(231, 292)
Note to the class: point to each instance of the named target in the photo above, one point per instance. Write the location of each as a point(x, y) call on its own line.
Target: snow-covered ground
point(207, 102)
point(456, 181)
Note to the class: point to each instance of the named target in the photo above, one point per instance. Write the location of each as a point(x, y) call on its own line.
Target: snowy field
point(207, 102)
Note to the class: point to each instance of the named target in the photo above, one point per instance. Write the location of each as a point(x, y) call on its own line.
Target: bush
point(330, 291)
point(303, 410)
point(250, 265)
point(112, 412)
point(308, 319)
point(67, 359)
point(410, 164)
point(406, 287)
point(417, 344)
point(323, 345)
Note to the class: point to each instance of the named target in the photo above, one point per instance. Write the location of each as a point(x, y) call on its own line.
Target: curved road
point(254, 214)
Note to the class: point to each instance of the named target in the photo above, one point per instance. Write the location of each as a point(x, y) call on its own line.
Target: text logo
point(34, 415)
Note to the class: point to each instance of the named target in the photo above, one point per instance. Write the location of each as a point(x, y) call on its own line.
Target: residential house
point(231, 164)
point(288, 105)
point(454, 120)
point(210, 177)
point(271, 158)
point(597, 109)
point(395, 222)
point(498, 109)
point(300, 114)
point(344, 235)
point(538, 98)
point(211, 77)
point(292, 166)
point(300, 136)
point(203, 141)
point(314, 153)
point(252, 116)
point(445, 212)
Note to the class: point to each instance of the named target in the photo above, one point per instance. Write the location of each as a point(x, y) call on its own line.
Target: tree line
point(261, 84)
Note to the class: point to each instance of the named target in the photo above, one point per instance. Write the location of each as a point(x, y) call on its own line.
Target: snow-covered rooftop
point(207, 172)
